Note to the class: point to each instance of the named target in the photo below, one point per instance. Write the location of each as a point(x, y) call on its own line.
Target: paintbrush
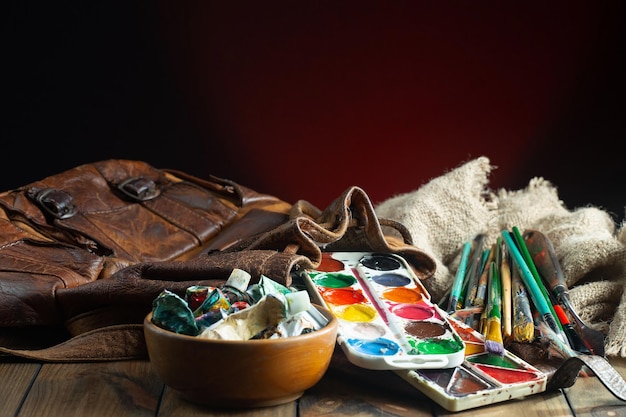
point(497, 253)
point(473, 320)
point(464, 313)
point(481, 286)
point(476, 321)
point(554, 340)
point(507, 309)
point(575, 341)
point(473, 270)
point(523, 324)
point(493, 323)
point(459, 279)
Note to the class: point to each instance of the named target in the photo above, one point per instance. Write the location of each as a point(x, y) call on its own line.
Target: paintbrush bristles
point(493, 337)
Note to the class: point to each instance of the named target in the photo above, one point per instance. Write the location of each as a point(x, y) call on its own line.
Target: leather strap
point(567, 373)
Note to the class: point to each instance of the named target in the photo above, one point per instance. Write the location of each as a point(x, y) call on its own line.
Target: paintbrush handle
point(495, 293)
point(505, 277)
point(481, 286)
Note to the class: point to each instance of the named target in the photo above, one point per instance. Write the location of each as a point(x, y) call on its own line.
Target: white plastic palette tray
point(386, 317)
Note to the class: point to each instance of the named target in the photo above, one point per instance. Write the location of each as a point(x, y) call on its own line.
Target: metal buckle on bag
point(139, 188)
point(58, 203)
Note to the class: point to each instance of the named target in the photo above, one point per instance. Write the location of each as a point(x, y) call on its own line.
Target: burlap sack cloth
point(451, 209)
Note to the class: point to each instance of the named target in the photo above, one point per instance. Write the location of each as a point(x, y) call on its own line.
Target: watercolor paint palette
point(364, 290)
point(386, 317)
point(482, 379)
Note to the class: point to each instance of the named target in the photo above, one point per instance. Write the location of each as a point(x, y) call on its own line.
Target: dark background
point(303, 99)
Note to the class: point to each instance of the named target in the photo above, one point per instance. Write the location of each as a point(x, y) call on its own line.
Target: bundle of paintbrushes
point(501, 291)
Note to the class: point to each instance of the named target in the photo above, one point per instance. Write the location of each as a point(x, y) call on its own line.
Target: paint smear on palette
point(457, 381)
point(380, 346)
point(503, 369)
point(413, 312)
point(334, 280)
point(391, 280)
point(368, 330)
point(377, 262)
point(362, 313)
point(402, 295)
point(387, 320)
point(464, 383)
point(494, 360)
point(424, 330)
point(438, 346)
point(474, 341)
point(342, 296)
point(507, 376)
point(330, 264)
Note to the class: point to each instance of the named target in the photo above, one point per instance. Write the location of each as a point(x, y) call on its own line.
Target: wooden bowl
point(241, 373)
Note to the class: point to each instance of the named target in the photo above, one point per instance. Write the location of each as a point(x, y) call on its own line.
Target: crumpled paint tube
point(245, 324)
point(171, 312)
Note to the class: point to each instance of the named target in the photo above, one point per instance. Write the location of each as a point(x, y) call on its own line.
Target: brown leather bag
point(85, 252)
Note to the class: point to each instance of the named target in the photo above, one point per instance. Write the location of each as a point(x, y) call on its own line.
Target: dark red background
point(303, 99)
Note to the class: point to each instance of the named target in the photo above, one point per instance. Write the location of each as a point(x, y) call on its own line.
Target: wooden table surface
point(131, 388)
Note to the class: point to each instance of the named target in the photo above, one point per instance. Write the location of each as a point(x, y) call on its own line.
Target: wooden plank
point(125, 388)
point(537, 405)
point(591, 399)
point(364, 393)
point(172, 405)
point(16, 379)
point(131, 388)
